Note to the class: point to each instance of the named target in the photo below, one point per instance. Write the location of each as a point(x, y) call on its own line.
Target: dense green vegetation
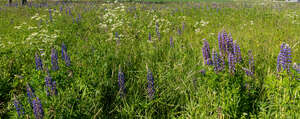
point(184, 86)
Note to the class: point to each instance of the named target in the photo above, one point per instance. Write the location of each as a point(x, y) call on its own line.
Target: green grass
point(89, 87)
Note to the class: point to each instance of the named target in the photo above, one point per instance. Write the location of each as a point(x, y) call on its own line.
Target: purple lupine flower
point(70, 12)
point(171, 42)
point(237, 52)
point(222, 42)
point(48, 83)
point(54, 59)
point(231, 62)
point(229, 44)
point(38, 62)
point(30, 94)
point(50, 15)
point(37, 108)
point(284, 58)
point(121, 81)
point(67, 59)
point(222, 61)
point(66, 11)
point(206, 53)
point(60, 8)
point(216, 60)
point(150, 87)
point(118, 38)
point(19, 107)
point(149, 36)
point(77, 20)
point(63, 49)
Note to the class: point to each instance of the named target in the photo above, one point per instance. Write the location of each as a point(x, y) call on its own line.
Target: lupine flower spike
point(50, 86)
point(38, 62)
point(206, 53)
point(150, 87)
point(37, 108)
point(54, 60)
point(48, 81)
point(121, 81)
point(64, 54)
point(30, 94)
point(284, 58)
point(67, 59)
point(231, 62)
point(63, 49)
point(237, 52)
point(229, 44)
point(19, 107)
point(216, 61)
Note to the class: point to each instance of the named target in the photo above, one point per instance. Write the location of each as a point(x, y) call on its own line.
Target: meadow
point(146, 60)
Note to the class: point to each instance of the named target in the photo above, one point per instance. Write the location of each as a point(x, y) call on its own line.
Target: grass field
point(135, 60)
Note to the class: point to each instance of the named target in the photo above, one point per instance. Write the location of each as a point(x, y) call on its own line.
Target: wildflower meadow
point(149, 59)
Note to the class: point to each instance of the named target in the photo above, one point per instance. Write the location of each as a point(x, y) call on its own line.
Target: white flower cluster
point(293, 16)
point(38, 17)
point(42, 36)
point(198, 24)
point(113, 17)
point(20, 26)
point(164, 24)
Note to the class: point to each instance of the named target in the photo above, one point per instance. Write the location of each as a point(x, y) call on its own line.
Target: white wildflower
point(204, 23)
point(251, 22)
point(30, 28)
point(197, 30)
point(17, 27)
